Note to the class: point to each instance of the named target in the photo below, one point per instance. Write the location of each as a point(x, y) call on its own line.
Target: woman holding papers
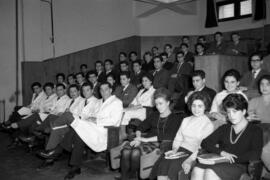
point(144, 99)
point(160, 129)
point(187, 140)
point(238, 141)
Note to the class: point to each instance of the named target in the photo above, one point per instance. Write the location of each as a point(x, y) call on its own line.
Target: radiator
point(2, 111)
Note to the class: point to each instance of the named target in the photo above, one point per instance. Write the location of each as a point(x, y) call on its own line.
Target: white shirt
point(146, 98)
point(186, 138)
point(217, 101)
point(37, 101)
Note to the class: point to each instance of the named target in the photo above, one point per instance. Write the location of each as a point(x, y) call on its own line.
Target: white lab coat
point(77, 106)
point(142, 99)
point(55, 106)
point(36, 102)
point(94, 135)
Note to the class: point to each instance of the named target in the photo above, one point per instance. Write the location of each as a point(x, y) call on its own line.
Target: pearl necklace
point(238, 136)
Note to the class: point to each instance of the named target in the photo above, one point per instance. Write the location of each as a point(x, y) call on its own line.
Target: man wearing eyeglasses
point(249, 81)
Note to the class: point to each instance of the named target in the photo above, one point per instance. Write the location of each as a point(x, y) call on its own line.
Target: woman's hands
point(186, 165)
point(229, 156)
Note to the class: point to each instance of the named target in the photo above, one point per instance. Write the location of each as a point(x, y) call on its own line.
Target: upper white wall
point(82, 24)
point(168, 23)
point(78, 25)
point(7, 53)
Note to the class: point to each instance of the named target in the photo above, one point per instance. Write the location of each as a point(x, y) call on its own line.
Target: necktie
point(144, 91)
point(71, 102)
point(154, 73)
point(58, 98)
point(178, 67)
point(254, 74)
point(47, 97)
point(35, 96)
point(85, 102)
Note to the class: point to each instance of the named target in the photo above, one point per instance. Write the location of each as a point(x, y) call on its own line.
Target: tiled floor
point(17, 164)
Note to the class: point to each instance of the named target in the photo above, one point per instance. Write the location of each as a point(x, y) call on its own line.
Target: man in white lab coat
point(37, 98)
point(91, 131)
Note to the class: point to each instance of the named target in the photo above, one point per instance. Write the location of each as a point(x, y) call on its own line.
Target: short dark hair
point(264, 77)
point(148, 76)
point(132, 52)
point(138, 61)
point(256, 54)
point(127, 74)
point(83, 65)
point(79, 73)
point(48, 84)
point(218, 33)
point(147, 53)
point(199, 72)
point(199, 44)
point(109, 61)
point(199, 95)
point(87, 84)
point(185, 37)
point(110, 75)
point(60, 74)
point(74, 86)
point(236, 101)
point(90, 73)
point(232, 72)
point(60, 85)
point(99, 62)
point(71, 75)
point(158, 57)
point(106, 83)
point(123, 53)
point(180, 52)
point(35, 84)
point(162, 93)
point(164, 54)
point(124, 62)
point(184, 44)
point(169, 45)
point(202, 37)
point(235, 33)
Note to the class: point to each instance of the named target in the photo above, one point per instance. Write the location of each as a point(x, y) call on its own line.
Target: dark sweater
point(154, 126)
point(247, 148)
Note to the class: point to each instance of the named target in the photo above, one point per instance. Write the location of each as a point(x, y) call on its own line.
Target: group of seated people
point(139, 97)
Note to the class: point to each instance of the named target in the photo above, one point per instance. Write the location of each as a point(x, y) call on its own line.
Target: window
point(234, 9)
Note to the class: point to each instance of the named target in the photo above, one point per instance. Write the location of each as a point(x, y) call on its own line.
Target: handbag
point(147, 163)
point(115, 155)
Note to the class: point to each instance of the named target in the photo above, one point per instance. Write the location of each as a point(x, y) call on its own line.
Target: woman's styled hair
point(235, 101)
point(199, 95)
point(162, 93)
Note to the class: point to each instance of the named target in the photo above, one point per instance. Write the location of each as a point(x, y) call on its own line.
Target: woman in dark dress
point(238, 141)
point(160, 129)
point(187, 140)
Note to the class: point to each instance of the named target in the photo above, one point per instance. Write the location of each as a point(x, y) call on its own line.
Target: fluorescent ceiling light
point(167, 1)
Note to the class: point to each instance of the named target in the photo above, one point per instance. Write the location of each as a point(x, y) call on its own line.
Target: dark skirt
point(226, 171)
point(169, 167)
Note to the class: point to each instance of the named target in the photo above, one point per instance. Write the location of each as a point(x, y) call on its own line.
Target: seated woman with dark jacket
point(160, 129)
point(187, 140)
point(238, 141)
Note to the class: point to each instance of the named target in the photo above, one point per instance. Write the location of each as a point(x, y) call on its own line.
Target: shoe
point(72, 173)
point(45, 164)
point(49, 154)
point(27, 139)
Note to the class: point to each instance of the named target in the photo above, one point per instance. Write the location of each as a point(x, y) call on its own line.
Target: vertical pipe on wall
point(17, 51)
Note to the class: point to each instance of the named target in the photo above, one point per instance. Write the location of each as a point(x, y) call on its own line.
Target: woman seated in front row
point(187, 140)
point(160, 127)
point(238, 141)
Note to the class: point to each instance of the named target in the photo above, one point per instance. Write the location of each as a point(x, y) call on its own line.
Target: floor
point(18, 164)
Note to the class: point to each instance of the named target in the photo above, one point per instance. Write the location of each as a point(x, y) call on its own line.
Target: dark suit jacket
point(185, 69)
point(161, 78)
point(147, 67)
point(136, 79)
point(211, 92)
point(251, 83)
point(102, 77)
point(126, 96)
point(221, 49)
point(168, 66)
point(189, 57)
point(96, 92)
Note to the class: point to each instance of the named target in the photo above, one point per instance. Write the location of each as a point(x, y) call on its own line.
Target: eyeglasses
point(255, 60)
